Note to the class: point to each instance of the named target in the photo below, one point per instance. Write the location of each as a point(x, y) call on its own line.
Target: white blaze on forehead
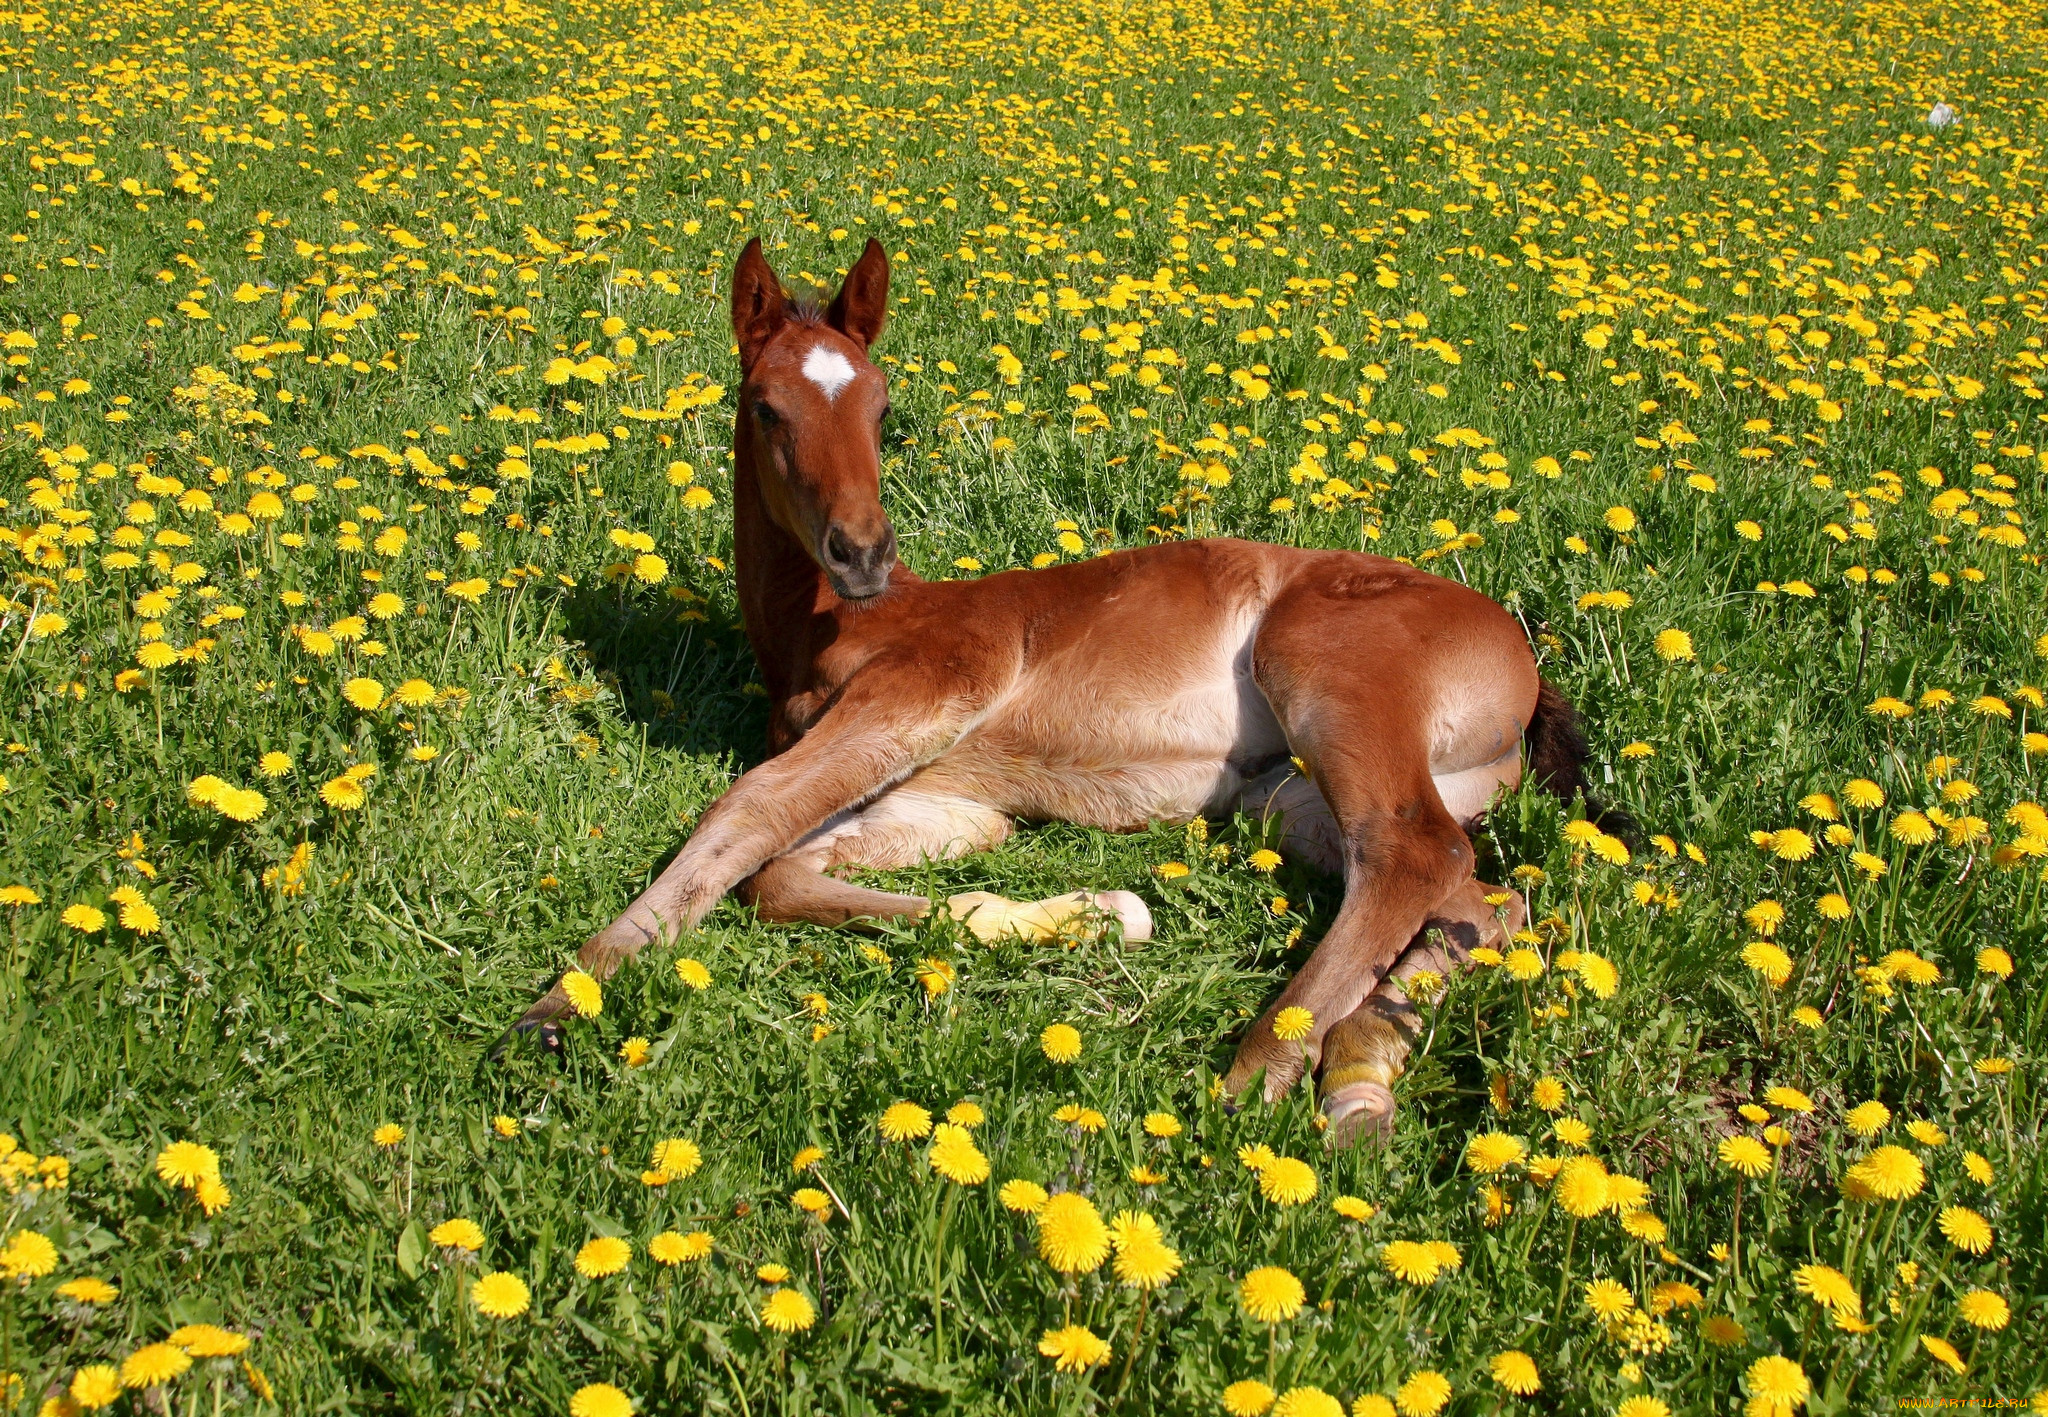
point(830, 370)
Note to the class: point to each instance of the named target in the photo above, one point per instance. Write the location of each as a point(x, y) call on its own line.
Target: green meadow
point(369, 640)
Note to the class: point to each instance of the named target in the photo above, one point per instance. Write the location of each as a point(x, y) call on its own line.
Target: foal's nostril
point(837, 550)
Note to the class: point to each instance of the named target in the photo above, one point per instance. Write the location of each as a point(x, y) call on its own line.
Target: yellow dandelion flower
point(586, 995)
point(1072, 1237)
point(788, 1311)
point(1270, 1294)
point(1060, 1042)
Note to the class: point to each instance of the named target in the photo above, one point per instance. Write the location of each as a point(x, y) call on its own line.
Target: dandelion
point(1490, 1152)
point(1829, 1288)
point(668, 1249)
point(1024, 1197)
point(586, 996)
point(1270, 1294)
point(1293, 1023)
point(1287, 1182)
point(1643, 1405)
point(186, 1163)
point(465, 1235)
point(500, 1295)
point(1307, 1402)
point(1060, 1042)
point(1673, 646)
point(788, 1311)
point(1791, 844)
point(1071, 1235)
point(693, 974)
point(1247, 1398)
point(1515, 1371)
point(1889, 1173)
point(1608, 1300)
point(1548, 1094)
point(600, 1400)
point(1981, 1308)
point(1777, 1385)
point(1912, 829)
point(1867, 1119)
point(955, 1156)
point(154, 1365)
point(95, 1386)
point(1424, 1394)
point(1965, 1229)
point(1354, 1208)
point(1163, 1125)
point(606, 1255)
point(1745, 1155)
point(1146, 1262)
point(1073, 1349)
point(28, 1254)
point(1411, 1263)
point(1943, 1352)
point(1768, 962)
point(1581, 1187)
point(1722, 1331)
point(905, 1121)
point(88, 1291)
point(344, 794)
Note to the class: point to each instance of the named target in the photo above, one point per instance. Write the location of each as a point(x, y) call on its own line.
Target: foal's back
point(1128, 688)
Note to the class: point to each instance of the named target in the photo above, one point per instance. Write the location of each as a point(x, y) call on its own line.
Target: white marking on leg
point(830, 370)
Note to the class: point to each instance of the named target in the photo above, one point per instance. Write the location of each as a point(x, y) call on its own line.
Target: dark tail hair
point(1557, 761)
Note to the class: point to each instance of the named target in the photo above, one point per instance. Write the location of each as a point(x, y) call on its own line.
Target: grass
point(1687, 303)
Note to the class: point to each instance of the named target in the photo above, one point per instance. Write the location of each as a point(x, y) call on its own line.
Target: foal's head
point(810, 413)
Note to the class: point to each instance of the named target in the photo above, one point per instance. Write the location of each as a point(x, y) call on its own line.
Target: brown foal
point(917, 721)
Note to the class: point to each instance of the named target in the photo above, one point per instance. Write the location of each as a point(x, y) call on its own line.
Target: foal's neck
point(780, 587)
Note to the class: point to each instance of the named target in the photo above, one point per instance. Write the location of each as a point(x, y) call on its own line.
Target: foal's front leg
point(881, 729)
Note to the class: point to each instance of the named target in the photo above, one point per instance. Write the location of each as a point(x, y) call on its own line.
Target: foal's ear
point(758, 304)
point(861, 307)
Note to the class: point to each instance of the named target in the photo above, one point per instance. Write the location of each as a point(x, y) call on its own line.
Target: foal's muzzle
point(858, 570)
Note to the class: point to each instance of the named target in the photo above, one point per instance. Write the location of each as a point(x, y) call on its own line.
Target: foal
point(915, 721)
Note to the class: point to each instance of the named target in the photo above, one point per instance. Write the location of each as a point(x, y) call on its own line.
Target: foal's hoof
point(992, 918)
point(1283, 1065)
point(1361, 1111)
point(1129, 908)
point(541, 1020)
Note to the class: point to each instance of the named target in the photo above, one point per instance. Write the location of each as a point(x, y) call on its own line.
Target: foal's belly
point(1120, 735)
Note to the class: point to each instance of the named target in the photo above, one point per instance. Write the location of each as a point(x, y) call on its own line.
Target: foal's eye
point(766, 416)
point(883, 417)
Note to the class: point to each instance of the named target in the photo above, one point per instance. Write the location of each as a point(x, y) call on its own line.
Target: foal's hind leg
point(1368, 1048)
point(1378, 681)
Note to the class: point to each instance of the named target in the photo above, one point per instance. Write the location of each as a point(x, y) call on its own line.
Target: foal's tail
point(1557, 761)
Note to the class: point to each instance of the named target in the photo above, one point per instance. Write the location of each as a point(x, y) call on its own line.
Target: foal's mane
point(807, 306)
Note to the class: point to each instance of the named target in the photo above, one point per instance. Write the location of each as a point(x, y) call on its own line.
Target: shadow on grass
point(682, 667)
